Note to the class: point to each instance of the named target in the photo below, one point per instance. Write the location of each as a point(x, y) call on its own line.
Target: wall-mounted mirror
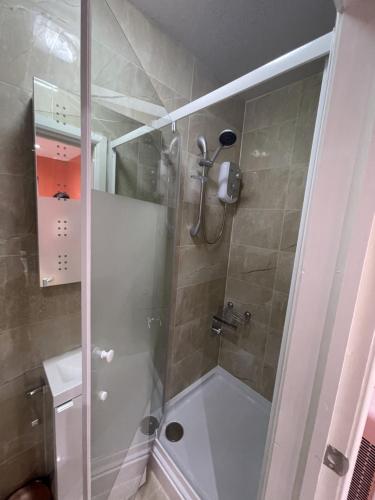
point(141, 167)
point(58, 180)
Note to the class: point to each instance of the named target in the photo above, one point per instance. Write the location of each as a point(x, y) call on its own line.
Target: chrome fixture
point(102, 395)
point(238, 318)
point(33, 392)
point(36, 420)
point(202, 145)
point(217, 327)
point(228, 317)
point(104, 355)
point(152, 320)
point(227, 139)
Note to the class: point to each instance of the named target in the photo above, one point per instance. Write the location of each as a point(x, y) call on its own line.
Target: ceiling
point(233, 37)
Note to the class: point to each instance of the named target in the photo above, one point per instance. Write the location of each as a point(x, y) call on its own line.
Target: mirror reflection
point(129, 158)
point(58, 182)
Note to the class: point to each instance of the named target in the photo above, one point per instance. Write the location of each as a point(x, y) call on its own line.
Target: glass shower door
point(133, 210)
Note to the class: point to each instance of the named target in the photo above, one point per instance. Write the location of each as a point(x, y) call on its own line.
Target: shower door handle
point(104, 355)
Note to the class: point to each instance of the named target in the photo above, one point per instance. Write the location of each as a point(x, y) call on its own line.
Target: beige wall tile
point(19, 245)
point(310, 95)
point(290, 230)
point(15, 122)
point(268, 381)
point(15, 36)
point(160, 56)
point(296, 187)
point(17, 205)
point(112, 71)
point(272, 352)
point(107, 30)
point(231, 110)
point(16, 433)
point(253, 338)
point(27, 51)
point(304, 136)
point(188, 370)
point(248, 297)
point(16, 472)
point(254, 265)
point(274, 108)
point(277, 135)
point(21, 446)
point(260, 228)
point(199, 300)
point(240, 363)
point(202, 263)
point(192, 336)
point(26, 347)
point(284, 271)
point(264, 188)
point(279, 305)
point(269, 147)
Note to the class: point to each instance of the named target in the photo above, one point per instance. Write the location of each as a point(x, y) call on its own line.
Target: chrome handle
point(104, 355)
point(102, 395)
point(153, 320)
point(216, 331)
point(32, 392)
point(47, 280)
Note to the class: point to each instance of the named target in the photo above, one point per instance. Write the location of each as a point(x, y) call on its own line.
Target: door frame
point(319, 266)
point(316, 356)
point(86, 183)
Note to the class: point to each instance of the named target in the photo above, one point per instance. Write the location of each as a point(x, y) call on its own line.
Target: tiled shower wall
point(276, 143)
point(200, 268)
point(35, 323)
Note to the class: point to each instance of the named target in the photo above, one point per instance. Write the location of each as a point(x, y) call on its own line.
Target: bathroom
point(186, 237)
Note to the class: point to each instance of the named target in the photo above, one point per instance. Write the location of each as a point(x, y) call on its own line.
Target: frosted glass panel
point(133, 221)
point(130, 316)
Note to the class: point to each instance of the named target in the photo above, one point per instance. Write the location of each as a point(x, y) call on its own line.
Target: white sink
point(64, 375)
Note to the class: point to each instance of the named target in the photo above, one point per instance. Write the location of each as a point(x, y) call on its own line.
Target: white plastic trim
point(298, 57)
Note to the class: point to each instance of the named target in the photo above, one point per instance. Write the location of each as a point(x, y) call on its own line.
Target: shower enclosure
point(158, 344)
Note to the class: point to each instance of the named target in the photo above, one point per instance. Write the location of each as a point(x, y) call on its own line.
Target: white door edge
point(333, 236)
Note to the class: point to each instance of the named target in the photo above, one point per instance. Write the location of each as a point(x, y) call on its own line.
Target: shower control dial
point(104, 355)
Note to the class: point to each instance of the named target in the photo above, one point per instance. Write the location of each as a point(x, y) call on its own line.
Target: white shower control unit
point(229, 182)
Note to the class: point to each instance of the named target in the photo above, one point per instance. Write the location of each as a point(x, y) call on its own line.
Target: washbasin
point(70, 368)
point(64, 376)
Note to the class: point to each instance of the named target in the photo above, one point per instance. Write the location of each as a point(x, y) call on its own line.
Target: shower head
point(227, 138)
point(202, 145)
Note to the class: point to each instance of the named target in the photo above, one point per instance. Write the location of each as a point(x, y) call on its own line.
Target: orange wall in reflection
point(56, 175)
